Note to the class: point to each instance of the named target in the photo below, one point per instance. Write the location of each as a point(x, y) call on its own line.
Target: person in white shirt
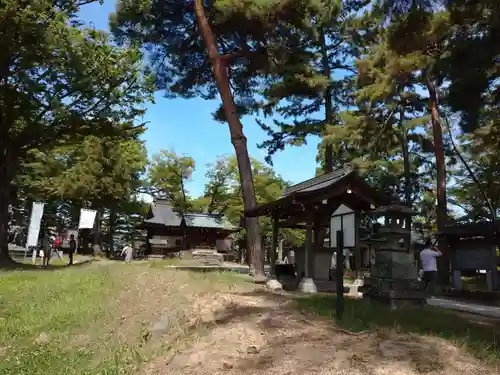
point(429, 263)
point(128, 251)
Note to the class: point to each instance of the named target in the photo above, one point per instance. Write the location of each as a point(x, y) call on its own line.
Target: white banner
point(34, 227)
point(87, 218)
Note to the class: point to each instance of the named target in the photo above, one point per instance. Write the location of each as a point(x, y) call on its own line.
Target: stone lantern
point(394, 274)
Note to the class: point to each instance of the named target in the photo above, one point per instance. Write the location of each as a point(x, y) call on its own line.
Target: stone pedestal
point(456, 278)
point(307, 285)
point(355, 287)
point(394, 280)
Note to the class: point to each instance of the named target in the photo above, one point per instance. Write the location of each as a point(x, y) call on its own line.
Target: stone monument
point(394, 273)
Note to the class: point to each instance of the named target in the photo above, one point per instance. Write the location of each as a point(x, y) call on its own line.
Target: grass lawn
point(93, 319)
point(481, 339)
point(114, 318)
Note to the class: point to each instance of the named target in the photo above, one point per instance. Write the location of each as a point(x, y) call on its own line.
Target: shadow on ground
point(258, 332)
point(13, 265)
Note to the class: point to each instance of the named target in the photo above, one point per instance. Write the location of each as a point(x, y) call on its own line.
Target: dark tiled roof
point(208, 221)
point(320, 186)
point(162, 213)
point(319, 182)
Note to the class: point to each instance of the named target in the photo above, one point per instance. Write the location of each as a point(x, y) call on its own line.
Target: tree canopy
point(167, 176)
point(59, 82)
point(380, 84)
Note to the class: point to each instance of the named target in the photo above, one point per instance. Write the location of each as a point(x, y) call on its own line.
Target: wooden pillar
point(317, 246)
point(273, 249)
point(307, 284)
point(308, 251)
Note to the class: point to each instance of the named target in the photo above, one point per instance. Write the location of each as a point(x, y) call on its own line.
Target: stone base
point(397, 300)
point(307, 285)
point(274, 285)
point(394, 265)
point(208, 257)
point(354, 289)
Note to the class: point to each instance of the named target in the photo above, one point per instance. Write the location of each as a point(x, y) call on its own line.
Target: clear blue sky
point(186, 127)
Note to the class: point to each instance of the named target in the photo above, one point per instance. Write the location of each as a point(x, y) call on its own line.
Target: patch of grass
point(93, 319)
point(360, 315)
point(48, 306)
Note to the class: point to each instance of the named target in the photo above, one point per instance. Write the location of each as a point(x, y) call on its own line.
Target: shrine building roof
point(343, 185)
point(162, 213)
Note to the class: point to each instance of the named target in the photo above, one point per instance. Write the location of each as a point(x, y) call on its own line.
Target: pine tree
point(222, 48)
point(310, 90)
point(383, 135)
point(476, 27)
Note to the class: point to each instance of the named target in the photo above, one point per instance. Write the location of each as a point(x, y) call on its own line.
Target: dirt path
point(261, 333)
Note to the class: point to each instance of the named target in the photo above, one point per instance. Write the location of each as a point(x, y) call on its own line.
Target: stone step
point(210, 259)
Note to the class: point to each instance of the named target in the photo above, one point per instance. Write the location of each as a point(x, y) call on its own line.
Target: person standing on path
point(129, 253)
point(72, 248)
point(429, 264)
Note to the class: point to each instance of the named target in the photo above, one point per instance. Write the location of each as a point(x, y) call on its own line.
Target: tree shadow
point(12, 265)
point(301, 343)
point(308, 352)
point(481, 338)
point(479, 335)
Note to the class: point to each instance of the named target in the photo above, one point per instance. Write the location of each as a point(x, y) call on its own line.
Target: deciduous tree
point(58, 80)
point(167, 175)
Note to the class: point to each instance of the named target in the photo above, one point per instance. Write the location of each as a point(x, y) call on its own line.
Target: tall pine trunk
point(5, 196)
point(4, 221)
point(406, 168)
point(238, 139)
point(403, 138)
point(112, 230)
point(441, 210)
point(328, 166)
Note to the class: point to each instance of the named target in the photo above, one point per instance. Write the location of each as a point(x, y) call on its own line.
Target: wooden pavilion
point(473, 247)
point(170, 231)
point(309, 205)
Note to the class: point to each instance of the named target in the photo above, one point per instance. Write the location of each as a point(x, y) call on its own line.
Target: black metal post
point(340, 274)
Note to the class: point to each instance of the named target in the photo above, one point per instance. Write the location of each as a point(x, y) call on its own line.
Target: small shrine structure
point(473, 247)
point(169, 231)
point(310, 205)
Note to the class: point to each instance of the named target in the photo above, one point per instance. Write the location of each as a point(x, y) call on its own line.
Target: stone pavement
point(468, 307)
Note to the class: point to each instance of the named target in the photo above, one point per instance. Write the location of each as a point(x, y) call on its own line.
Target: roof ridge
point(341, 172)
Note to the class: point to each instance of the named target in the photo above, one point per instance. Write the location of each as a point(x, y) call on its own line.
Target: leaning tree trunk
point(112, 230)
point(238, 139)
point(442, 215)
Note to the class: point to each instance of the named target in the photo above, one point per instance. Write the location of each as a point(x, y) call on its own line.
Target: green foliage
point(386, 126)
point(475, 28)
point(122, 220)
point(480, 151)
point(223, 193)
point(309, 90)
point(97, 171)
point(167, 176)
point(60, 83)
